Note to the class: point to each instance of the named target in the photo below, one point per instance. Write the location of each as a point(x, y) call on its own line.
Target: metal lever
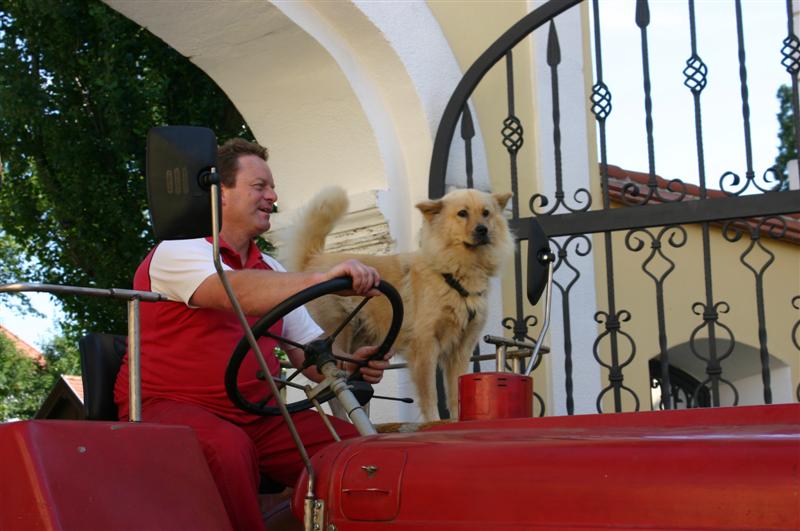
point(501, 345)
point(404, 400)
point(544, 257)
point(133, 297)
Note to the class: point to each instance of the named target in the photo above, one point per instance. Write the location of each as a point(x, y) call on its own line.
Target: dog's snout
point(480, 235)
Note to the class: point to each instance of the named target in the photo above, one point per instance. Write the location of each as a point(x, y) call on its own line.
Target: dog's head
point(469, 220)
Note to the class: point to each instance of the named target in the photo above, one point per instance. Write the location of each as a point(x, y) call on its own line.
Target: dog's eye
point(485, 213)
point(463, 213)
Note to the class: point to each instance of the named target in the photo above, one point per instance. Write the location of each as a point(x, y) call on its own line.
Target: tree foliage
point(24, 383)
point(20, 383)
point(80, 85)
point(786, 135)
point(13, 268)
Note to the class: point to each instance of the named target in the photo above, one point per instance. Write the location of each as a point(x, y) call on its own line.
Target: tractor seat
point(101, 359)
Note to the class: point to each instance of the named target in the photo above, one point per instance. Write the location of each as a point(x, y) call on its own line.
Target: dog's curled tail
point(306, 238)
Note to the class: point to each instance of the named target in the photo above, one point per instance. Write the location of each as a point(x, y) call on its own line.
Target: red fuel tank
point(494, 395)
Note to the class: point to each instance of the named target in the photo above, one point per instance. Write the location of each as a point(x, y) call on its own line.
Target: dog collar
point(456, 285)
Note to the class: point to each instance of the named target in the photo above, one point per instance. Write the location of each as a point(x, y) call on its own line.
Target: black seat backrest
point(101, 358)
point(179, 158)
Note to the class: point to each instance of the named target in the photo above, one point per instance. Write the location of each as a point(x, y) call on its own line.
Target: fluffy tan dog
point(465, 238)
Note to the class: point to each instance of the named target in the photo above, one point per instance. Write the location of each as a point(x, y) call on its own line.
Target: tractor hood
point(724, 468)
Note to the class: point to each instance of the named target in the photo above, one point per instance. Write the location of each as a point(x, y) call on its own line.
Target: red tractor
point(494, 468)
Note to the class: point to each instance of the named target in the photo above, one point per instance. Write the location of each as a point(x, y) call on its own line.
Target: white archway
point(347, 93)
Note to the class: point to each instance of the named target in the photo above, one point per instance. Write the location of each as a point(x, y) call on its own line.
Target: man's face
point(247, 206)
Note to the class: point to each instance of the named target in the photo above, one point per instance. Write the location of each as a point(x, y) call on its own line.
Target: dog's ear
point(502, 199)
point(430, 208)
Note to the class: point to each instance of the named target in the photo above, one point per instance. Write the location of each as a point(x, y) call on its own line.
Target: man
point(187, 341)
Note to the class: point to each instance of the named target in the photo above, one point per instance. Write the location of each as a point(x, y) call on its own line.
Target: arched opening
point(742, 373)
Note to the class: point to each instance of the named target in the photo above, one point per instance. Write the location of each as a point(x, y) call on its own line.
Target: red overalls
point(184, 353)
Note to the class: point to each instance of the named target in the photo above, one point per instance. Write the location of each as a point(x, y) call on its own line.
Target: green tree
point(80, 85)
point(61, 357)
point(13, 268)
point(20, 383)
point(786, 135)
point(25, 383)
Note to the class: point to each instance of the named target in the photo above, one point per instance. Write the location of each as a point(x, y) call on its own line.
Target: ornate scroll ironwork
point(771, 179)
point(553, 60)
point(750, 179)
point(611, 318)
point(776, 228)
point(467, 134)
point(613, 332)
point(513, 140)
point(791, 61)
point(631, 192)
point(634, 242)
point(564, 288)
point(695, 73)
point(710, 313)
point(714, 359)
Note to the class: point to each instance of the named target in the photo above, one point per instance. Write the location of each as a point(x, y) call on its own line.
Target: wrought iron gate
point(644, 210)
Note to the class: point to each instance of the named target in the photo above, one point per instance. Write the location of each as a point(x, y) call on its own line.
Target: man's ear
point(502, 199)
point(430, 208)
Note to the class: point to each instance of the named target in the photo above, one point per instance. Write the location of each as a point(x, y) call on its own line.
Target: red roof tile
point(619, 178)
point(75, 383)
point(24, 348)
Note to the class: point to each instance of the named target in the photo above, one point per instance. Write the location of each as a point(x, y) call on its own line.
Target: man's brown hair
point(228, 158)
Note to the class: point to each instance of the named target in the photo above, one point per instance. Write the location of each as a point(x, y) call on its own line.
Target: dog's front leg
point(453, 367)
point(421, 359)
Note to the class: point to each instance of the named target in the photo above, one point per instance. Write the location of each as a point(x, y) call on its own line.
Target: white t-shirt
point(179, 267)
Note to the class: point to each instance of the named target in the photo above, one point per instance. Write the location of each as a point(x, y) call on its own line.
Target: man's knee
point(229, 447)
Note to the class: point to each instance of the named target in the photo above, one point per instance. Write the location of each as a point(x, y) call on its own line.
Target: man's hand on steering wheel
point(319, 349)
point(365, 278)
point(373, 372)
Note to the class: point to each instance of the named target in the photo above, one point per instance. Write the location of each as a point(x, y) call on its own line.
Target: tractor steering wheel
point(317, 352)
